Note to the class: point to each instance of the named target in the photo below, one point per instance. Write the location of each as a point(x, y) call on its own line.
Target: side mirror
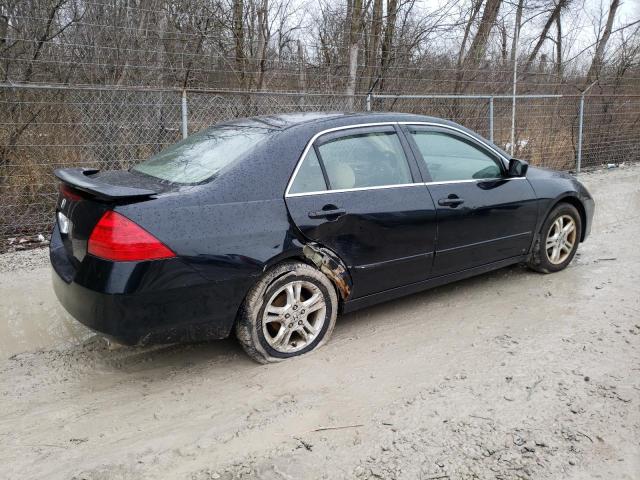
point(517, 168)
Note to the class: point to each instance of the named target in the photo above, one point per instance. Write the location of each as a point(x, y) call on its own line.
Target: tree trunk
point(516, 30)
point(559, 48)
point(238, 36)
point(596, 64)
point(467, 29)
point(302, 77)
point(354, 42)
point(374, 43)
point(479, 44)
point(43, 38)
point(263, 36)
point(389, 30)
point(555, 14)
point(503, 44)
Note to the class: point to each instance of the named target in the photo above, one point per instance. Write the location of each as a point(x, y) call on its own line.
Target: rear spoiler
point(79, 179)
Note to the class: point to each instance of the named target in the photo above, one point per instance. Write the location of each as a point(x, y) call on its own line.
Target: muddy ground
point(509, 375)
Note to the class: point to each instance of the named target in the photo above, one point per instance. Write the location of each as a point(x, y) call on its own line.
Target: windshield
point(201, 156)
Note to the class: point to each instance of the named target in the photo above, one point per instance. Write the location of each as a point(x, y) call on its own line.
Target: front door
point(483, 216)
point(358, 193)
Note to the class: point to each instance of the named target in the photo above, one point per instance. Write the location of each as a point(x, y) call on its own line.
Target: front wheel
point(558, 240)
point(290, 311)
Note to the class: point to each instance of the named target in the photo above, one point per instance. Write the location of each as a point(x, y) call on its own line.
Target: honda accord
point(270, 226)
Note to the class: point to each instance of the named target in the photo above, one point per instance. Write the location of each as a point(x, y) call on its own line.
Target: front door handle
point(332, 211)
point(451, 201)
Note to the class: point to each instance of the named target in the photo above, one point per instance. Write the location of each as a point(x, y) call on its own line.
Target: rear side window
point(309, 177)
point(365, 160)
point(201, 156)
point(450, 158)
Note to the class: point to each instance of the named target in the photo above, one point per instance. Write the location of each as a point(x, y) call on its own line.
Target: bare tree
point(478, 46)
point(596, 63)
point(387, 43)
point(463, 45)
point(481, 38)
point(554, 17)
point(475, 9)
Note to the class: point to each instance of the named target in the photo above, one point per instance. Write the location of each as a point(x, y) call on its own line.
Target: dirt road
point(509, 375)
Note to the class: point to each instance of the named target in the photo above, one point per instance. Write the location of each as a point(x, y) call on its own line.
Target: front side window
point(450, 158)
point(201, 156)
point(365, 160)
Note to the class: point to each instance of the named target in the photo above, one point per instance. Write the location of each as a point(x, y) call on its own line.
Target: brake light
point(70, 193)
point(117, 238)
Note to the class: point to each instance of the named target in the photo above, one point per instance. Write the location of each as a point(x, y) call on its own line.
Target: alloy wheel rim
point(294, 316)
point(561, 239)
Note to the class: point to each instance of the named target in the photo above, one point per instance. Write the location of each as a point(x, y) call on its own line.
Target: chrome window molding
point(474, 180)
point(401, 185)
point(381, 124)
point(356, 189)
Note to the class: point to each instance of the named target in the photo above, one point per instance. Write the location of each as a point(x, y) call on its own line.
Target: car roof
point(288, 120)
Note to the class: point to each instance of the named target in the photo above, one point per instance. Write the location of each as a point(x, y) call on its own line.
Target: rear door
point(483, 216)
point(358, 192)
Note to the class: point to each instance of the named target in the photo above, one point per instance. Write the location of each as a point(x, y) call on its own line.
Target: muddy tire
point(557, 242)
point(290, 311)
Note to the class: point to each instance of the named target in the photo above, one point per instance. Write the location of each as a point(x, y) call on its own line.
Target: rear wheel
point(558, 240)
point(290, 311)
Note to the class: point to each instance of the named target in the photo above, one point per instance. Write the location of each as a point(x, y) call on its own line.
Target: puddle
point(30, 316)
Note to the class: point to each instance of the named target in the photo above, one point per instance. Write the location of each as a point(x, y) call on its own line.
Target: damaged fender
point(330, 264)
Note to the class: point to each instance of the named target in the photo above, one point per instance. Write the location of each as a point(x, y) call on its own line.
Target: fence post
point(580, 121)
point(491, 118)
point(369, 102)
point(185, 131)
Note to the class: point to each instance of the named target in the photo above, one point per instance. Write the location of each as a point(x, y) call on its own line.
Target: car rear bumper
point(137, 303)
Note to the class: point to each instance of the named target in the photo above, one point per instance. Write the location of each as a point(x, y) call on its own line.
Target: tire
point(543, 257)
point(286, 289)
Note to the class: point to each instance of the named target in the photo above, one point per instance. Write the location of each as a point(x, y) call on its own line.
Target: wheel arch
point(574, 201)
point(321, 258)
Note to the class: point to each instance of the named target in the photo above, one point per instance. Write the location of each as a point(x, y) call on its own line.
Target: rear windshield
point(201, 156)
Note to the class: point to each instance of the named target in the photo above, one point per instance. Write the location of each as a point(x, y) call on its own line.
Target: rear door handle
point(451, 201)
point(333, 212)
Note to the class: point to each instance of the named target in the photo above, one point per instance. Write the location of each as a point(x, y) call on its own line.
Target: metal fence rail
point(47, 127)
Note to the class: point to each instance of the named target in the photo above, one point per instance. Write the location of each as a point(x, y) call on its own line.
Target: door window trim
point(310, 144)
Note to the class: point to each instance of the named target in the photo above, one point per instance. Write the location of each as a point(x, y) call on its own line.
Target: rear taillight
point(117, 238)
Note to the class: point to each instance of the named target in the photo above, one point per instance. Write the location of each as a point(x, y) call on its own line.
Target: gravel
point(24, 260)
point(511, 375)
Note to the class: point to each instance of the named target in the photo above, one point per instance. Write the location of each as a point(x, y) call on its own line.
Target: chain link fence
point(43, 128)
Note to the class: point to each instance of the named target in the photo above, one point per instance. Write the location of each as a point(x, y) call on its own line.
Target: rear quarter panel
point(230, 245)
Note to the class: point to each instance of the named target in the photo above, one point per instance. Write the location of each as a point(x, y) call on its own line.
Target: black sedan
point(270, 226)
